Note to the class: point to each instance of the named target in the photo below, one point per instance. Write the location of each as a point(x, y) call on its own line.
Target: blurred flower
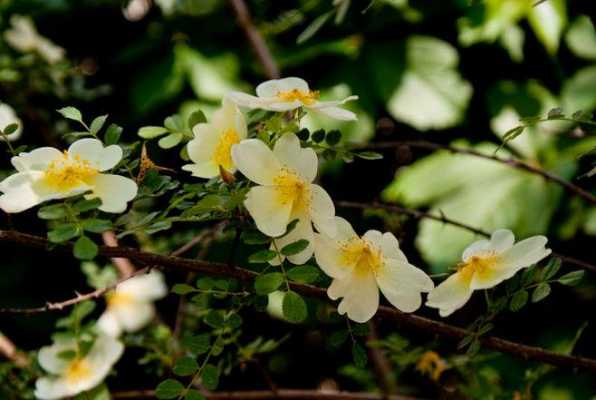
point(211, 147)
point(291, 93)
point(130, 306)
point(47, 173)
point(285, 192)
point(24, 37)
point(361, 266)
point(136, 10)
point(72, 375)
point(431, 364)
point(8, 117)
point(275, 304)
point(486, 263)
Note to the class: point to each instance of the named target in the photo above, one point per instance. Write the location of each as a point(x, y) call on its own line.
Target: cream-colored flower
point(360, 266)
point(8, 117)
point(70, 376)
point(130, 306)
point(211, 147)
point(485, 264)
point(285, 191)
point(291, 93)
point(47, 173)
point(24, 37)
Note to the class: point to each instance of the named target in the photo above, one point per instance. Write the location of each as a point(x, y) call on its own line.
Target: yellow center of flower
point(77, 370)
point(432, 364)
point(222, 155)
point(116, 299)
point(308, 97)
point(66, 173)
point(480, 264)
point(359, 253)
point(292, 189)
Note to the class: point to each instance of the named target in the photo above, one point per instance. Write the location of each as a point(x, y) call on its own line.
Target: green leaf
point(318, 136)
point(294, 308)
point(262, 256)
point(548, 19)
point(581, 38)
point(304, 274)
point(151, 132)
point(185, 366)
point(11, 128)
point(303, 134)
point(54, 211)
point(540, 292)
point(337, 338)
point(67, 354)
point(254, 237)
point(63, 233)
point(210, 377)
point(71, 113)
point(369, 155)
point(313, 27)
point(551, 268)
point(519, 300)
point(97, 124)
point(112, 135)
point(169, 389)
point(294, 248)
point(172, 140)
point(194, 394)
point(267, 283)
point(571, 278)
point(333, 137)
point(195, 118)
point(359, 355)
point(97, 225)
point(182, 289)
point(215, 319)
point(85, 248)
point(87, 205)
point(197, 344)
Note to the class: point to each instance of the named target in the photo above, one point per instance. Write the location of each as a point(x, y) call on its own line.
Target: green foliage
point(294, 308)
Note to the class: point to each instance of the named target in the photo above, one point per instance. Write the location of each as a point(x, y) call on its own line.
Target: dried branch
point(296, 394)
point(518, 164)
point(220, 269)
point(10, 351)
point(124, 266)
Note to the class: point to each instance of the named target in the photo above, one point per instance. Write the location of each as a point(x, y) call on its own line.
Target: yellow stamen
point(66, 173)
point(77, 370)
point(431, 364)
point(359, 253)
point(307, 98)
point(291, 188)
point(116, 299)
point(222, 155)
point(479, 263)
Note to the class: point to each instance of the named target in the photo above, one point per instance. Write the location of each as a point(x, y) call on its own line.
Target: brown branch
point(382, 367)
point(124, 266)
point(521, 165)
point(220, 269)
point(295, 394)
point(255, 38)
point(442, 218)
point(10, 351)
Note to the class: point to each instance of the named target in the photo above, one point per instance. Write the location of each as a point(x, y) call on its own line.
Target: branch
point(521, 165)
point(442, 218)
point(10, 351)
point(124, 266)
point(296, 394)
point(221, 269)
point(381, 364)
point(255, 39)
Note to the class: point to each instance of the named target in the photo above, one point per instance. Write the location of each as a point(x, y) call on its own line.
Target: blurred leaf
point(151, 132)
point(182, 289)
point(540, 292)
point(185, 366)
point(197, 344)
point(314, 27)
point(169, 389)
point(85, 248)
point(172, 140)
point(210, 377)
point(63, 233)
point(359, 355)
point(548, 19)
point(581, 38)
point(519, 300)
point(579, 92)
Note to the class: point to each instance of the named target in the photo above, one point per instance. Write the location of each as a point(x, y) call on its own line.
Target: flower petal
point(525, 253)
point(147, 287)
point(104, 353)
point(271, 216)
point(450, 295)
point(338, 113)
point(502, 240)
point(360, 296)
point(304, 161)
point(374, 237)
point(109, 324)
point(38, 159)
point(402, 283)
point(272, 87)
point(115, 192)
point(135, 315)
point(202, 146)
point(246, 100)
point(19, 192)
point(256, 161)
point(205, 169)
point(477, 247)
point(390, 247)
point(332, 103)
point(92, 150)
point(322, 211)
point(48, 356)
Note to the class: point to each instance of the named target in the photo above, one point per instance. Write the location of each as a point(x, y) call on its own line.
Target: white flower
point(285, 191)
point(8, 117)
point(69, 377)
point(47, 173)
point(361, 266)
point(486, 263)
point(130, 305)
point(291, 93)
point(24, 37)
point(211, 146)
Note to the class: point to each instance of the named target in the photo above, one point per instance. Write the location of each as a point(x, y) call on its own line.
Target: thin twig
point(294, 394)
point(10, 351)
point(220, 269)
point(521, 165)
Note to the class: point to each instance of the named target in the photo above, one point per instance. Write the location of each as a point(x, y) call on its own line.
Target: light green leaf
point(548, 19)
point(63, 233)
point(151, 132)
point(172, 140)
point(314, 27)
point(581, 38)
point(579, 92)
point(182, 289)
point(71, 113)
point(97, 124)
point(85, 248)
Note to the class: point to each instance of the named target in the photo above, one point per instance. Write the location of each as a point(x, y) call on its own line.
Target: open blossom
point(8, 117)
point(360, 266)
point(485, 264)
point(47, 173)
point(130, 306)
point(211, 147)
point(70, 376)
point(285, 191)
point(24, 37)
point(291, 93)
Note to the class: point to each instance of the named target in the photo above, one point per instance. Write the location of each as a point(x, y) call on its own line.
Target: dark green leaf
point(294, 248)
point(571, 278)
point(197, 344)
point(63, 233)
point(519, 300)
point(262, 256)
point(85, 248)
point(551, 268)
point(97, 124)
point(54, 211)
point(87, 205)
point(294, 307)
point(303, 134)
point(195, 118)
point(337, 338)
point(333, 137)
point(169, 389)
point(254, 237)
point(210, 377)
point(194, 394)
point(215, 319)
point(368, 155)
point(185, 366)
point(267, 283)
point(182, 289)
point(112, 135)
point(540, 292)
point(359, 355)
point(97, 225)
point(11, 128)
point(67, 354)
point(318, 136)
point(304, 274)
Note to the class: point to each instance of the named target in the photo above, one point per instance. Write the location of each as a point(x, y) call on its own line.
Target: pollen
point(431, 364)
point(116, 299)
point(222, 155)
point(77, 370)
point(68, 173)
point(307, 98)
point(359, 253)
point(479, 264)
point(291, 188)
